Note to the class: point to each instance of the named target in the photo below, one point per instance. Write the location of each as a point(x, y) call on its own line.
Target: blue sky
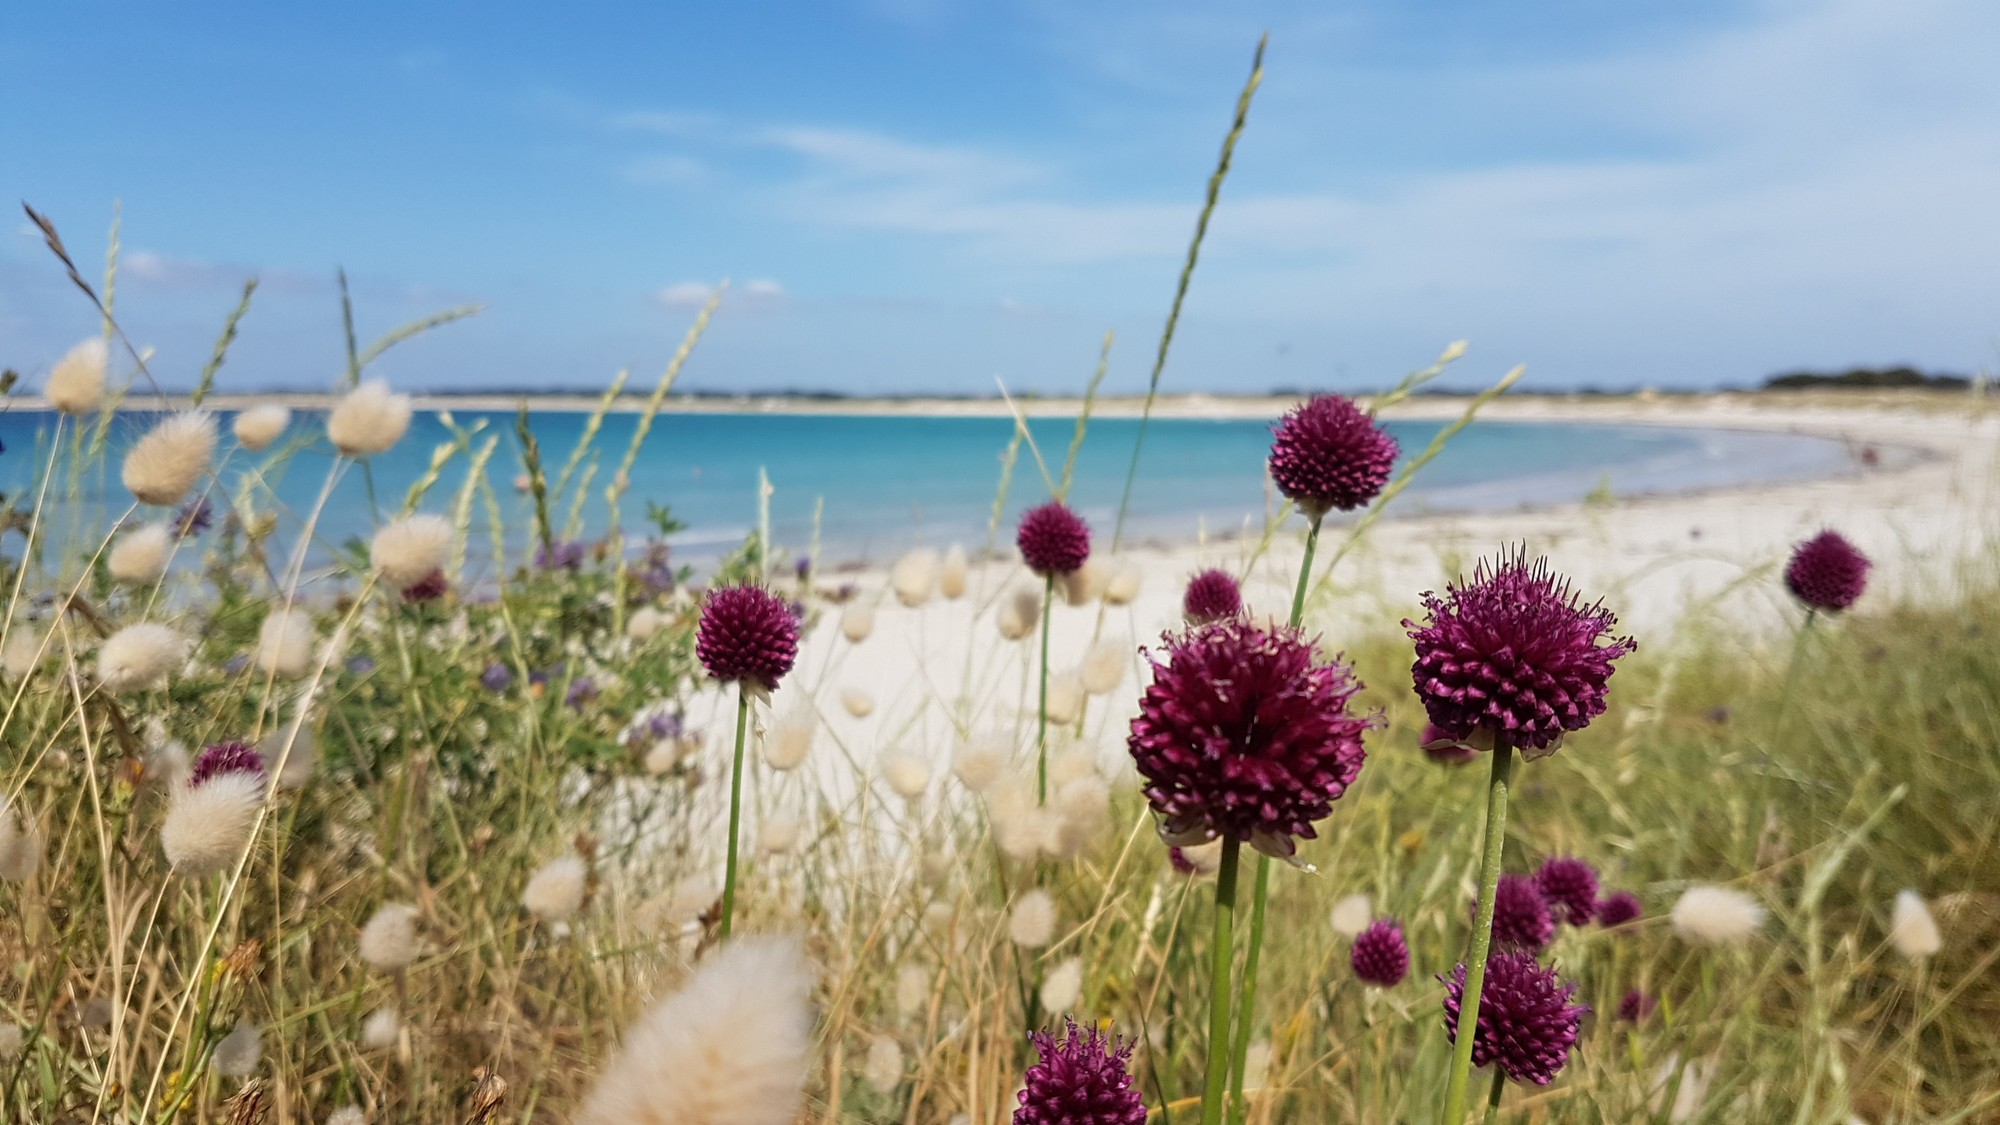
point(914, 195)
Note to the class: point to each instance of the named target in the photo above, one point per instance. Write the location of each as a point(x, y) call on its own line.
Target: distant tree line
point(1867, 378)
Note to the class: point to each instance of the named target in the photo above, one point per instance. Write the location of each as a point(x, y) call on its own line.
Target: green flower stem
point(1240, 1050)
point(1042, 708)
point(1482, 932)
point(1493, 1099)
point(1220, 961)
point(735, 808)
point(1792, 670)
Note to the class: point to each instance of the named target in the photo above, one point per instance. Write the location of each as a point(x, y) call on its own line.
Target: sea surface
point(866, 487)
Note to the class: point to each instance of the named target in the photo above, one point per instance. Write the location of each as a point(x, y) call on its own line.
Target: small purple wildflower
point(194, 517)
point(497, 677)
point(1244, 734)
point(1526, 1023)
point(1514, 654)
point(1621, 907)
point(360, 665)
point(234, 665)
point(581, 691)
point(1053, 539)
point(1083, 1078)
point(559, 554)
point(1636, 1006)
point(1827, 572)
point(1380, 955)
point(1570, 885)
point(224, 757)
point(1521, 916)
point(656, 567)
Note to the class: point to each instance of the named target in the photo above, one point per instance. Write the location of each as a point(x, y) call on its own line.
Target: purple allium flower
point(224, 757)
point(1444, 747)
point(1380, 956)
point(559, 554)
point(747, 635)
point(497, 677)
point(1618, 909)
point(1827, 572)
point(1053, 539)
point(1526, 1023)
point(1243, 734)
point(582, 690)
point(1211, 596)
point(1328, 454)
point(1081, 1079)
point(1521, 916)
point(194, 517)
point(1513, 654)
point(429, 588)
point(1570, 885)
point(1636, 1006)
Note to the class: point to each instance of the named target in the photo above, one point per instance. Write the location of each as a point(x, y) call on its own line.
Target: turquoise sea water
point(884, 483)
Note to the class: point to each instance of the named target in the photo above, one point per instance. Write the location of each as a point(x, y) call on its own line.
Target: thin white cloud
point(763, 287)
point(685, 294)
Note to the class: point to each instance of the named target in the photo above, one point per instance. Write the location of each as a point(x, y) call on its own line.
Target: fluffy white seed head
point(778, 835)
point(644, 623)
point(239, 1052)
point(1085, 584)
point(1020, 611)
point(555, 892)
point(1065, 698)
point(1022, 828)
point(790, 739)
point(285, 642)
point(20, 846)
point(857, 701)
point(913, 988)
point(1104, 664)
point(884, 1068)
point(11, 1041)
point(907, 772)
point(289, 753)
point(389, 939)
point(730, 1048)
point(955, 575)
point(24, 649)
point(76, 384)
point(1123, 586)
point(857, 620)
point(1711, 915)
point(140, 656)
point(915, 576)
point(369, 420)
point(259, 426)
point(982, 760)
point(169, 460)
point(1032, 924)
point(381, 1029)
point(1912, 929)
point(1084, 804)
point(1351, 914)
point(347, 1115)
point(208, 826)
point(139, 557)
point(410, 549)
point(1062, 987)
point(168, 764)
point(1071, 763)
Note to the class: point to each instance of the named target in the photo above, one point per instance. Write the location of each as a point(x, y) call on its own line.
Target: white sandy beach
point(937, 670)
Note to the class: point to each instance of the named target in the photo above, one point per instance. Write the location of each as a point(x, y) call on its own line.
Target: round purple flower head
point(1827, 572)
point(1081, 1079)
point(1514, 654)
point(1211, 596)
point(1620, 908)
point(194, 517)
point(1636, 1006)
point(1521, 916)
point(1053, 539)
point(559, 554)
point(747, 635)
point(1380, 956)
point(1526, 1023)
point(497, 677)
point(582, 691)
point(224, 757)
point(1443, 747)
point(1243, 734)
point(1329, 455)
point(1570, 885)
